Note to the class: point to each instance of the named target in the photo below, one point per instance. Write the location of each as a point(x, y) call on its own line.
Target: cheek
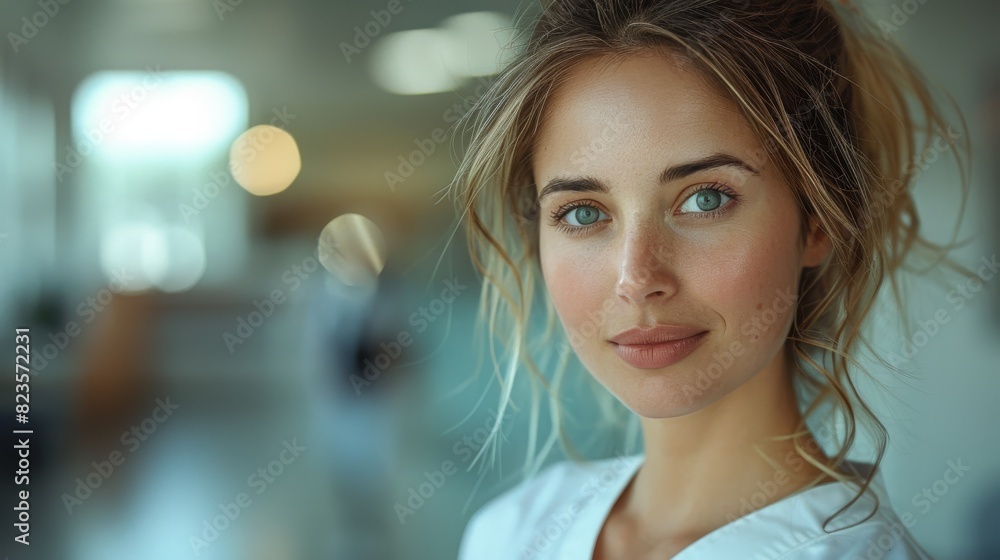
point(749, 285)
point(577, 284)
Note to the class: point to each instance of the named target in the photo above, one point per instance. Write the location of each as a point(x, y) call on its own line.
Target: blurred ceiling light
point(480, 39)
point(185, 257)
point(264, 160)
point(352, 248)
point(415, 62)
point(146, 255)
point(122, 250)
point(156, 114)
point(436, 60)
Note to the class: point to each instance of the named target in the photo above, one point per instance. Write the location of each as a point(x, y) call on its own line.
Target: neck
point(705, 469)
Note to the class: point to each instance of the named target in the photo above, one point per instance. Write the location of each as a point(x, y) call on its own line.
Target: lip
point(657, 347)
point(655, 334)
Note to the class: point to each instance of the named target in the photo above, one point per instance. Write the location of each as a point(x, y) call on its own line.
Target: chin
point(664, 393)
point(665, 403)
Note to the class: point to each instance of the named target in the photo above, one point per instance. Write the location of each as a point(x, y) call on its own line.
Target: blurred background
point(194, 198)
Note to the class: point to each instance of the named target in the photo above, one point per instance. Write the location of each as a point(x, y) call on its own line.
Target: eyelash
point(559, 213)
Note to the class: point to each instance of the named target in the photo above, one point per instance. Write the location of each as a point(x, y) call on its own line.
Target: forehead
point(628, 111)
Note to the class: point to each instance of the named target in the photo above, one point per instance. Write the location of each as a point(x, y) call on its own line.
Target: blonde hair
point(839, 110)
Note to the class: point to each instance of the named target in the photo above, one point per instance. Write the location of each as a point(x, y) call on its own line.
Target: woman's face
point(659, 207)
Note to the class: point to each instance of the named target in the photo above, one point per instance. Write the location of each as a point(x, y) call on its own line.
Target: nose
point(646, 264)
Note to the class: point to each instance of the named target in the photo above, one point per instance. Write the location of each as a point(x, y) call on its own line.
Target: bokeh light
point(265, 160)
point(352, 248)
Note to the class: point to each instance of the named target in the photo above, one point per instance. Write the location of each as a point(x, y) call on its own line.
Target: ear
point(817, 246)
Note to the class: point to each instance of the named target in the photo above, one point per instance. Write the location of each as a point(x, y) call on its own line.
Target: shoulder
point(511, 519)
point(860, 533)
point(827, 522)
point(883, 536)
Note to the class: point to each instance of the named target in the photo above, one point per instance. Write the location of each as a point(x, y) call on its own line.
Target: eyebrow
point(672, 173)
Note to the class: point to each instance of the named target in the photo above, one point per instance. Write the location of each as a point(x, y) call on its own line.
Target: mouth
point(660, 354)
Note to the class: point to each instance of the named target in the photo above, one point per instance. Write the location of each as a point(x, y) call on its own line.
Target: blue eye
point(707, 201)
point(577, 216)
point(583, 215)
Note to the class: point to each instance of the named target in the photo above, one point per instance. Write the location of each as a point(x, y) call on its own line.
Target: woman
point(713, 193)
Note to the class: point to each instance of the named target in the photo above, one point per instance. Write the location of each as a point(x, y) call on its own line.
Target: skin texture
point(650, 258)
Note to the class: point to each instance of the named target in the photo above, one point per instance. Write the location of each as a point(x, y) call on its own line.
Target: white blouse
point(559, 513)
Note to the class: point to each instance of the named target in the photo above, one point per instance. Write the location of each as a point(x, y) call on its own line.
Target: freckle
point(759, 306)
